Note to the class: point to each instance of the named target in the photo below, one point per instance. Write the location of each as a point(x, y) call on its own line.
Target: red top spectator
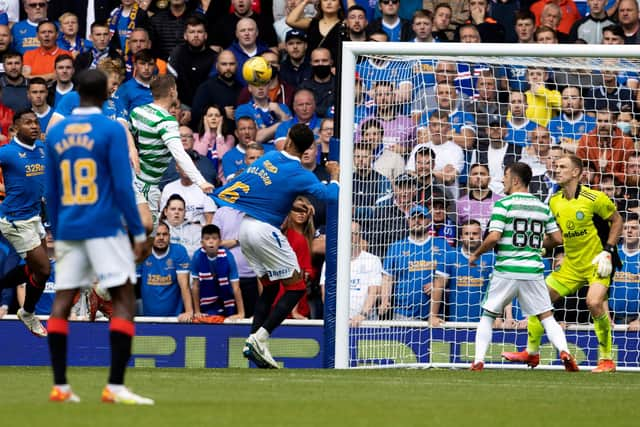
point(569, 9)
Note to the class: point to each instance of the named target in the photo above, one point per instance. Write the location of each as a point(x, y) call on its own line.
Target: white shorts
point(151, 193)
point(267, 250)
point(109, 260)
point(24, 235)
point(532, 294)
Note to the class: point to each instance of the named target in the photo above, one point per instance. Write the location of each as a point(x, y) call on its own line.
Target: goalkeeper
point(591, 228)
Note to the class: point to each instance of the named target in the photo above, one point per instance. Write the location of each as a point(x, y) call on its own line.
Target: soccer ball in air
point(257, 71)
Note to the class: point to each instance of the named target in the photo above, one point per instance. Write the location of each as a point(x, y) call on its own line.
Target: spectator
point(487, 102)
point(507, 12)
point(37, 95)
point(613, 34)
point(24, 32)
point(422, 161)
point(309, 161)
point(525, 26)
point(137, 91)
point(324, 140)
point(387, 161)
point(478, 202)
point(122, 21)
point(280, 23)
point(606, 146)
point(323, 30)
point(246, 45)
point(6, 122)
point(388, 221)
point(213, 139)
point(183, 232)
point(246, 132)
point(611, 95)
point(490, 30)
point(572, 123)
point(518, 125)
point(551, 16)
point(369, 186)
point(39, 62)
point(396, 28)
point(63, 84)
point(295, 67)
point(357, 23)
point(441, 224)
point(5, 44)
point(167, 27)
point(545, 35)
point(543, 185)
point(215, 286)
point(304, 111)
point(220, 89)
point(139, 40)
point(443, 28)
point(164, 279)
point(207, 166)
point(199, 208)
point(624, 293)
point(542, 102)
point(468, 33)
point(101, 48)
point(68, 37)
point(629, 21)
point(366, 280)
point(589, 28)
point(630, 197)
point(322, 83)
point(422, 26)
point(299, 229)
point(538, 150)
point(191, 62)
point(414, 273)
point(467, 284)
point(568, 13)
point(13, 82)
point(222, 27)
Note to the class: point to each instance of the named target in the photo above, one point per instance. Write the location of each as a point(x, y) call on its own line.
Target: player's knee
point(594, 303)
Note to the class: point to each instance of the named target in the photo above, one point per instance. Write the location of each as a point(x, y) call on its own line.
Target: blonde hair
point(309, 230)
point(67, 15)
point(112, 66)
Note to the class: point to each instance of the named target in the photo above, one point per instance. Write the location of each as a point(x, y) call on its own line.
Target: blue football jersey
point(161, 295)
point(412, 266)
point(89, 187)
point(71, 101)
point(44, 304)
point(568, 131)
point(624, 293)
point(23, 167)
point(24, 37)
point(466, 285)
point(266, 189)
point(132, 94)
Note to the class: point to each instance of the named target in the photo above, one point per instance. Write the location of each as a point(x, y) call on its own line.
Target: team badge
point(580, 215)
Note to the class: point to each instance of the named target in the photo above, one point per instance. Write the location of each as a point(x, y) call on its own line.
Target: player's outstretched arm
point(489, 243)
point(551, 240)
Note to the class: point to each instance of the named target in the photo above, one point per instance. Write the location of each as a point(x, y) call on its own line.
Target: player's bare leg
point(58, 327)
point(36, 274)
point(121, 332)
point(596, 301)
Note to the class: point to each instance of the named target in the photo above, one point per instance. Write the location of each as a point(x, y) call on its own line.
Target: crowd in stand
point(431, 141)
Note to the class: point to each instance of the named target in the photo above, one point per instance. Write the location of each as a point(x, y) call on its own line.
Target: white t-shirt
point(196, 201)
point(366, 271)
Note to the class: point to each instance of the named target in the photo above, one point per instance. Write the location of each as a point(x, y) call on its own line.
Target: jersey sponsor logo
point(469, 282)
point(625, 276)
point(158, 280)
point(422, 265)
point(34, 169)
point(573, 234)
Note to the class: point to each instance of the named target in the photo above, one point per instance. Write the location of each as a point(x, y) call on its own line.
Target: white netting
point(420, 123)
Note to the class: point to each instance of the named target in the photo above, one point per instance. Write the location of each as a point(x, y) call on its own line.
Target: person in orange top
point(569, 9)
point(606, 146)
point(40, 62)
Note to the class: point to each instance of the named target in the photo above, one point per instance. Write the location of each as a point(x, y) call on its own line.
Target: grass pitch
point(328, 398)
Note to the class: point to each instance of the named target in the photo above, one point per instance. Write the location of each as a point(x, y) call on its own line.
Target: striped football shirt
point(523, 221)
point(154, 128)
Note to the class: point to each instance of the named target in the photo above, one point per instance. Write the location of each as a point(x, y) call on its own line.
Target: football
point(257, 71)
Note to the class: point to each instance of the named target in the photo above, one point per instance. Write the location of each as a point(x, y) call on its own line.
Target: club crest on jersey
point(579, 215)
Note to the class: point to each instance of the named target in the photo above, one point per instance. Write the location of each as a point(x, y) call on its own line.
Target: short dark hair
point(371, 123)
point(210, 229)
point(174, 196)
point(522, 171)
point(63, 57)
point(36, 81)
point(523, 15)
point(195, 20)
point(11, 54)
point(144, 55)
point(97, 24)
point(357, 7)
point(424, 150)
point(19, 114)
point(301, 136)
point(92, 85)
point(440, 6)
point(479, 165)
point(45, 22)
point(614, 29)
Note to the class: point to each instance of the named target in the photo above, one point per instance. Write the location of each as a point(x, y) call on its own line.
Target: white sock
point(483, 337)
point(116, 388)
point(65, 388)
point(262, 334)
point(555, 333)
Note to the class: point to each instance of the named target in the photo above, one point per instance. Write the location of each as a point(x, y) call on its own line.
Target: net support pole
point(348, 94)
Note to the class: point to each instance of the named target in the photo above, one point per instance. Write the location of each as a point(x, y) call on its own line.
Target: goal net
point(426, 130)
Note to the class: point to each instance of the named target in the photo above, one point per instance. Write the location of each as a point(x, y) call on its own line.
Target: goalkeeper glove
point(602, 261)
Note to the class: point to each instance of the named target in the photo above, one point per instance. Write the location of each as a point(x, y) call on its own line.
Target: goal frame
point(350, 51)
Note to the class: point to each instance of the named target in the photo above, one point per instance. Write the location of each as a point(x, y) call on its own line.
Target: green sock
point(602, 326)
point(535, 331)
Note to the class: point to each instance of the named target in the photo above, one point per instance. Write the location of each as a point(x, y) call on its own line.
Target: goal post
point(402, 339)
